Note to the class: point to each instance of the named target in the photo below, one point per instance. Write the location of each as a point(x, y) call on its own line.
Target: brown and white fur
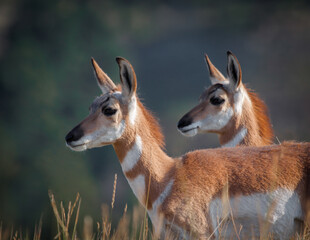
point(263, 184)
point(229, 109)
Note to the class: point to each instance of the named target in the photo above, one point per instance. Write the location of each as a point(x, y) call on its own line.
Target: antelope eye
point(216, 100)
point(109, 111)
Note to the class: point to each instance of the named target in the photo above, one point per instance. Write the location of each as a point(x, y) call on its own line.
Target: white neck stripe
point(155, 216)
point(137, 185)
point(133, 155)
point(237, 138)
point(163, 195)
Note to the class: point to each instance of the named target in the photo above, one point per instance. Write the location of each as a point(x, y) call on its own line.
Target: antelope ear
point(215, 75)
point(128, 77)
point(234, 71)
point(103, 80)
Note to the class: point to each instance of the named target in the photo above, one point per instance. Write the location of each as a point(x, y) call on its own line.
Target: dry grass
point(63, 217)
point(130, 226)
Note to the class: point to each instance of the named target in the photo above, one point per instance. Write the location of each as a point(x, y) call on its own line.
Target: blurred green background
point(47, 84)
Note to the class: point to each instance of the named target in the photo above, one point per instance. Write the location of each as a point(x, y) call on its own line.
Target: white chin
point(78, 148)
point(190, 133)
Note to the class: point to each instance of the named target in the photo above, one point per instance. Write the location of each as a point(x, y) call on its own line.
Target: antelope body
point(229, 109)
point(184, 195)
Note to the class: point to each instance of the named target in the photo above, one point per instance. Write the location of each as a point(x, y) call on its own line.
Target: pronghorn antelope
point(183, 195)
point(229, 109)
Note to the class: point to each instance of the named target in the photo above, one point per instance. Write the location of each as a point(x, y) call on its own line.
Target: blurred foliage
point(46, 84)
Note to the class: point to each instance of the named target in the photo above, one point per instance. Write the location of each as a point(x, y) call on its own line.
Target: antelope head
point(110, 113)
point(219, 103)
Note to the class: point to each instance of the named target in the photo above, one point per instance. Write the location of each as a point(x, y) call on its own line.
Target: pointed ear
point(234, 71)
point(128, 77)
point(215, 75)
point(103, 80)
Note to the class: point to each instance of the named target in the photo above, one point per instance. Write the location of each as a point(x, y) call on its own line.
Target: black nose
point(184, 121)
point(74, 135)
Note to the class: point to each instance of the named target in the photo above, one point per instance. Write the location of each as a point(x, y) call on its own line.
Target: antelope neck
point(233, 134)
point(236, 139)
point(143, 162)
point(243, 128)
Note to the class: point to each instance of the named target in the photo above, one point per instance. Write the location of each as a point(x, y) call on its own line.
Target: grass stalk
point(78, 202)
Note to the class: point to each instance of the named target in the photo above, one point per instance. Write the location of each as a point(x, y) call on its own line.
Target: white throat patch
point(237, 138)
point(131, 159)
point(133, 155)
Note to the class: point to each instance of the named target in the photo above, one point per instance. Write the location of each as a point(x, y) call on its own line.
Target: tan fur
point(103, 78)
point(214, 72)
point(262, 117)
point(254, 118)
point(200, 176)
point(160, 169)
